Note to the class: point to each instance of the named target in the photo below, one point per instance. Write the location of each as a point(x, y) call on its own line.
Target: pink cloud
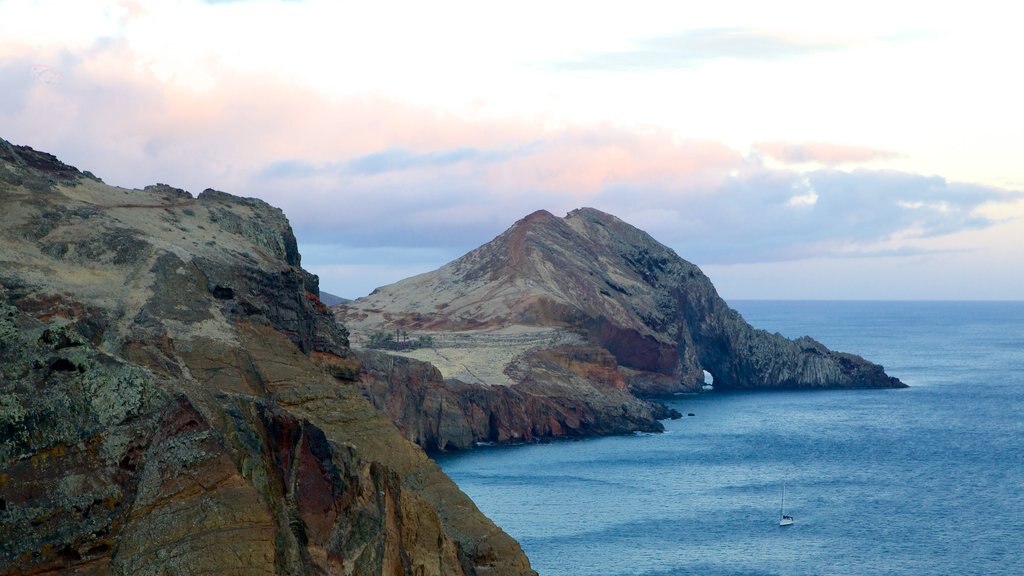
point(584, 161)
point(821, 152)
point(113, 116)
point(370, 172)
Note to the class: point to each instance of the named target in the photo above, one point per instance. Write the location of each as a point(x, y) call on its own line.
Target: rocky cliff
point(563, 396)
point(174, 398)
point(576, 317)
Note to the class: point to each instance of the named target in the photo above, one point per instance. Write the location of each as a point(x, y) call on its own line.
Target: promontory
point(564, 327)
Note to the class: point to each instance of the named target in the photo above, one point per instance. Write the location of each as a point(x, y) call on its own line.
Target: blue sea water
point(925, 480)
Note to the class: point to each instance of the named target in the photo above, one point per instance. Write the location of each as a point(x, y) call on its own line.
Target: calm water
point(927, 480)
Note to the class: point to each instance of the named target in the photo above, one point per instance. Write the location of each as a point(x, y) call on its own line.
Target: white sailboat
point(783, 519)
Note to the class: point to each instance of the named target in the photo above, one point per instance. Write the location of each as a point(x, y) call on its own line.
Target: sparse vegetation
point(399, 340)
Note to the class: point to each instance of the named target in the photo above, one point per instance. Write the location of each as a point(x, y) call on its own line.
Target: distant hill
point(332, 300)
point(589, 309)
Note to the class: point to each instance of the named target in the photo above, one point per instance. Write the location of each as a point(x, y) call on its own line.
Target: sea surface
point(925, 480)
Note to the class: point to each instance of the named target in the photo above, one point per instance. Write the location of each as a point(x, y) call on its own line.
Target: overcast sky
point(792, 149)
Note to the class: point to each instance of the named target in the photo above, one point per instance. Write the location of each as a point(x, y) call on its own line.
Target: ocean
point(920, 481)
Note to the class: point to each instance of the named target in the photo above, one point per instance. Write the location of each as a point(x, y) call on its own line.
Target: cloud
point(398, 159)
point(821, 153)
point(410, 188)
point(754, 217)
point(694, 47)
point(706, 200)
point(294, 169)
point(455, 197)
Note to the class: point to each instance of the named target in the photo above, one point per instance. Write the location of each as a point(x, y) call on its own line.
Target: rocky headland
point(175, 399)
point(561, 327)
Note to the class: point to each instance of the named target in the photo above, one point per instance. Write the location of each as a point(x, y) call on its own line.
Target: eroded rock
point(174, 398)
point(574, 318)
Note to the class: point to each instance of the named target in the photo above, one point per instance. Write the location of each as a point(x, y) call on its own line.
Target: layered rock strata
point(552, 401)
point(174, 398)
point(575, 317)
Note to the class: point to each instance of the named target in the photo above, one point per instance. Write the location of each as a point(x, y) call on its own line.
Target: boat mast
point(782, 508)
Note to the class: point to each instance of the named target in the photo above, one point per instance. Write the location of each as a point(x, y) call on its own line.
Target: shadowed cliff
point(174, 398)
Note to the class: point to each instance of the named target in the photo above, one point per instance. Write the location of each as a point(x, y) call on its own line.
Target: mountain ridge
point(551, 302)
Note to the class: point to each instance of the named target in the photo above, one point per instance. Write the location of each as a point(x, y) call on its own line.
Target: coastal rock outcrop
point(577, 315)
point(174, 398)
point(451, 414)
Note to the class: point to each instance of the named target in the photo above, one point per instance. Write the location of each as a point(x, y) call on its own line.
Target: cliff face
point(584, 309)
point(663, 316)
point(174, 398)
point(554, 401)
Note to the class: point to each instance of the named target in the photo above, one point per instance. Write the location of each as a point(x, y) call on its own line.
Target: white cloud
point(809, 199)
point(809, 196)
point(436, 125)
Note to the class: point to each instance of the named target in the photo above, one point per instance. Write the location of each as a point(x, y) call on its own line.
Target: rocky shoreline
point(175, 397)
point(569, 327)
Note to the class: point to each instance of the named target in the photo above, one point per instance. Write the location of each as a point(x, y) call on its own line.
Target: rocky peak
point(593, 215)
point(525, 252)
point(164, 356)
point(558, 327)
point(657, 314)
point(537, 217)
point(265, 225)
point(26, 157)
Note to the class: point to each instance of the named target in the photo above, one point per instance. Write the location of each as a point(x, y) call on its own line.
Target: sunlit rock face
point(174, 398)
point(576, 317)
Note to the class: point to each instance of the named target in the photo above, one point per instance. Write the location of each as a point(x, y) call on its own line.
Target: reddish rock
point(174, 398)
point(576, 317)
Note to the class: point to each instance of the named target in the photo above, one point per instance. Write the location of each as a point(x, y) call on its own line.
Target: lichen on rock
point(170, 401)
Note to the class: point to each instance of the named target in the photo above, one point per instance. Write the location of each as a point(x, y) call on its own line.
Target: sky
point(791, 149)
